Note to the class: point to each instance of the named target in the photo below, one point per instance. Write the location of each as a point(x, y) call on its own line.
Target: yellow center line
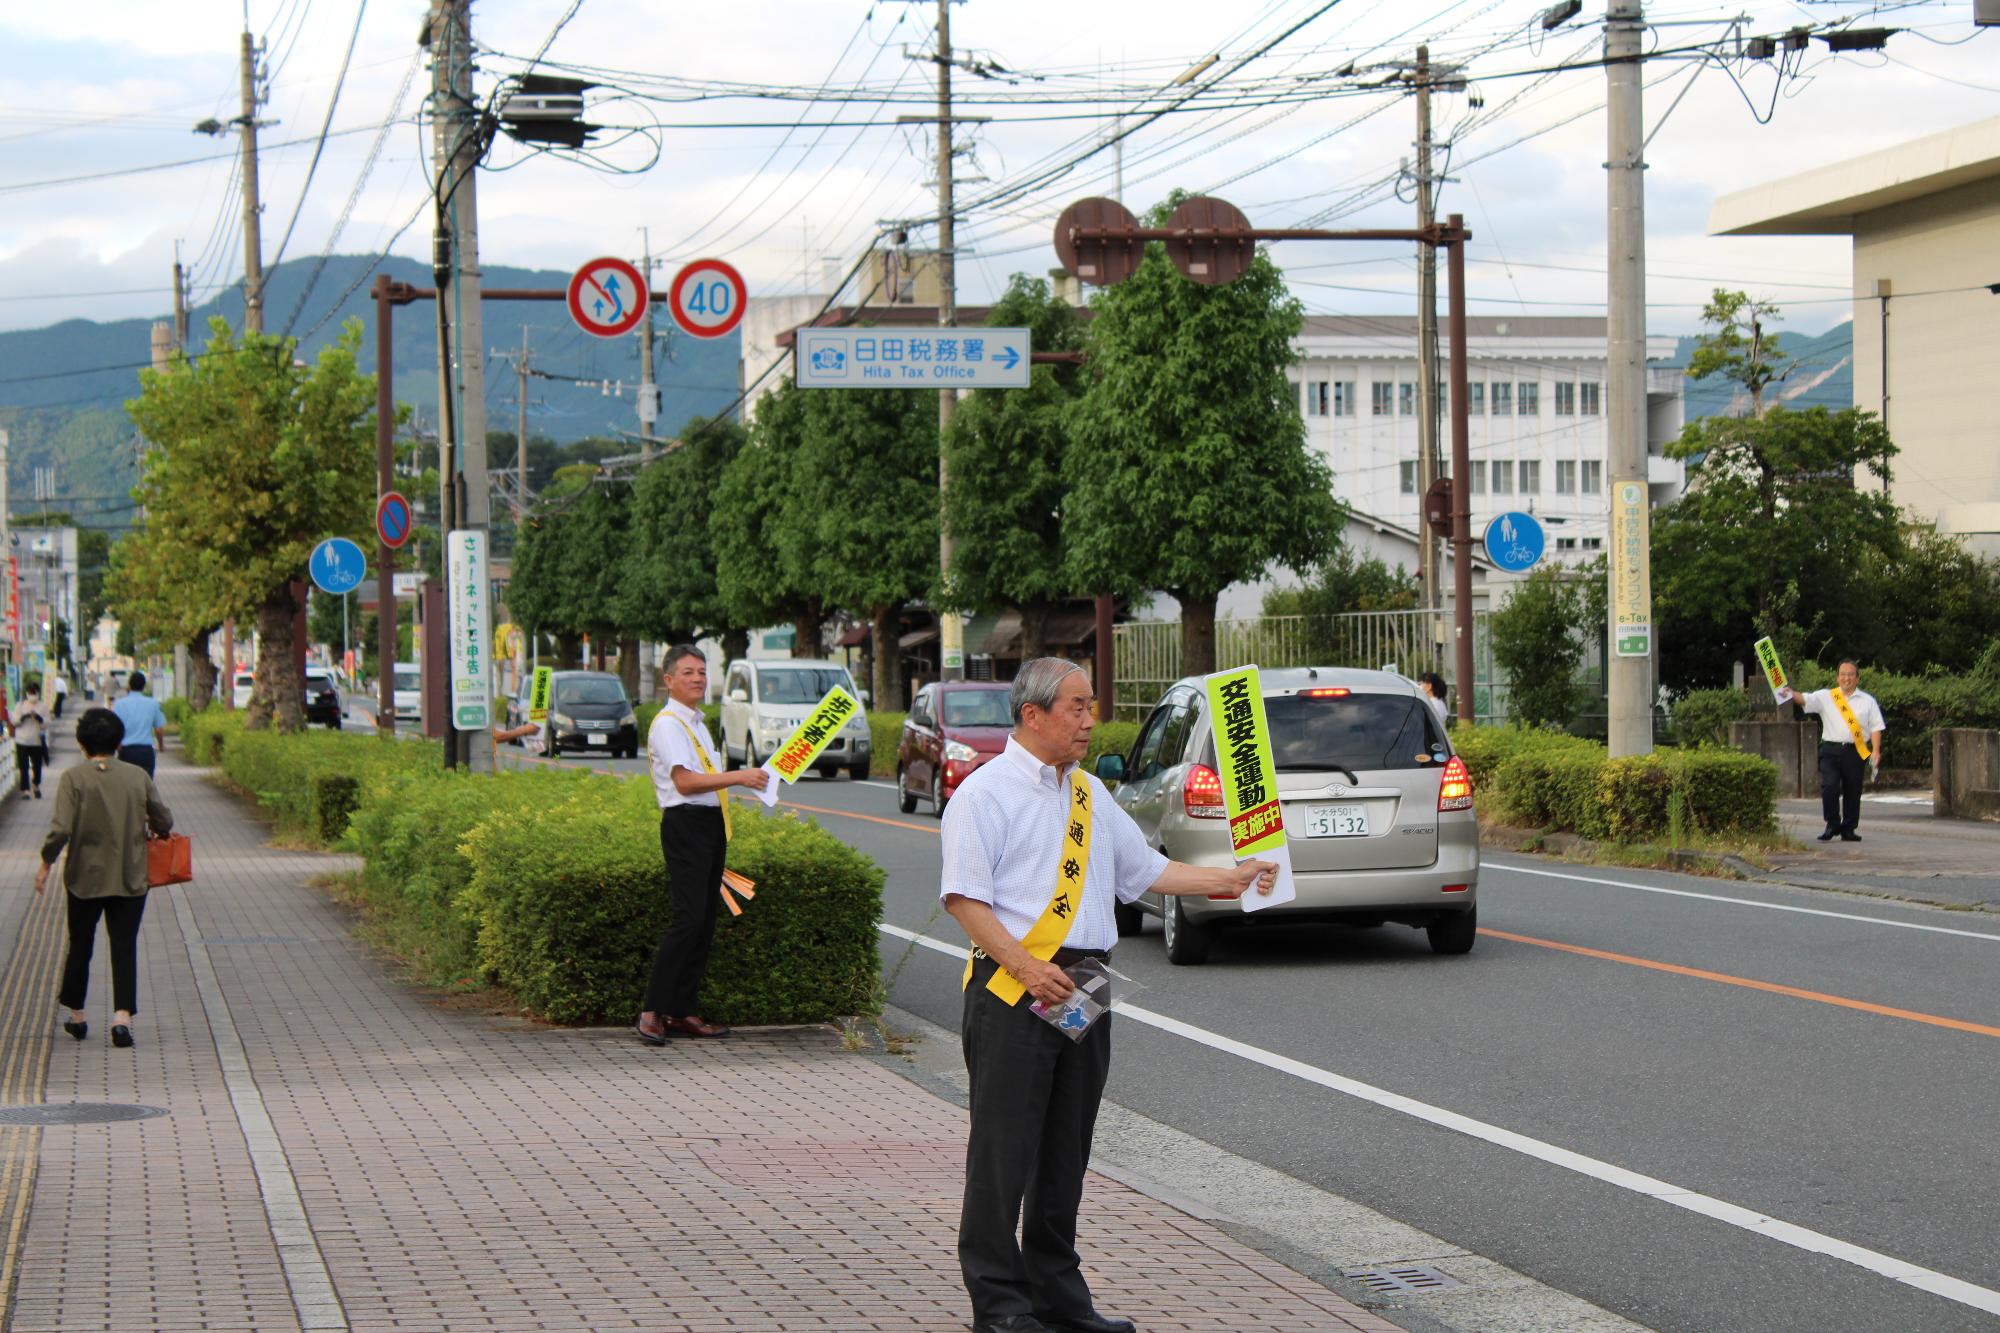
point(873, 819)
point(1749, 983)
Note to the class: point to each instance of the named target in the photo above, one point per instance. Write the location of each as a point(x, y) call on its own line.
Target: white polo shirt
point(668, 747)
point(1832, 726)
point(1003, 842)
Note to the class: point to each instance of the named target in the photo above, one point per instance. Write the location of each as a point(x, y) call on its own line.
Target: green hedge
point(309, 782)
point(205, 734)
point(178, 711)
point(1110, 738)
point(1543, 779)
point(571, 900)
point(1913, 707)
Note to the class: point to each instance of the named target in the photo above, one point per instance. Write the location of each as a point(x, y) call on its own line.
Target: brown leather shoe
point(653, 1033)
point(692, 1027)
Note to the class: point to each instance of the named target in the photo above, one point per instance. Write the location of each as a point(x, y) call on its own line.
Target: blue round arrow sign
point(337, 566)
point(1514, 542)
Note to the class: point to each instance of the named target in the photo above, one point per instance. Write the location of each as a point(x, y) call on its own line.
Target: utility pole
point(253, 241)
point(1427, 376)
point(649, 390)
point(521, 431)
point(457, 146)
point(1628, 671)
point(951, 628)
point(180, 303)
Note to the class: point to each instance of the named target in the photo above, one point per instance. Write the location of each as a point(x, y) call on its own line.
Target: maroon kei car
point(953, 728)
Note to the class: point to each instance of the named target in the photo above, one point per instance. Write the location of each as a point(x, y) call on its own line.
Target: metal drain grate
point(1403, 1277)
point(76, 1113)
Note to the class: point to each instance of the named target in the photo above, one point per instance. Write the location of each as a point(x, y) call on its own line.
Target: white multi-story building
point(1537, 425)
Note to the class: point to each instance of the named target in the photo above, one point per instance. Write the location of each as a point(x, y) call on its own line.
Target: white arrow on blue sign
point(912, 358)
point(1514, 542)
point(337, 566)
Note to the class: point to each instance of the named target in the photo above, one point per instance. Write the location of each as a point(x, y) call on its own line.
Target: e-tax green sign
point(469, 636)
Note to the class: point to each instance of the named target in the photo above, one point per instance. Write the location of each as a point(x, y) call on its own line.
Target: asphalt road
point(1733, 1114)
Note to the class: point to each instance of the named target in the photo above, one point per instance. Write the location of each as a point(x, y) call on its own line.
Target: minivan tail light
point(1326, 692)
point(1201, 796)
point(1455, 786)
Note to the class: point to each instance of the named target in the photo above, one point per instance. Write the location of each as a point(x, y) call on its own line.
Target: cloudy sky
point(100, 90)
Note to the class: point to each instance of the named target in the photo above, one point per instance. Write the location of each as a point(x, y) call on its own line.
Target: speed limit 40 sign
point(707, 298)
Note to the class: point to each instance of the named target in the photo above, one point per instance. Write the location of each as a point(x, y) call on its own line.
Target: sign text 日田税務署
point(892, 358)
point(469, 637)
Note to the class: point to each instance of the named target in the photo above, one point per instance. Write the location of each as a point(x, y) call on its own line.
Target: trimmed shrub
point(330, 802)
point(1702, 717)
point(279, 772)
point(178, 711)
point(1548, 780)
point(643, 714)
point(1110, 738)
point(205, 734)
point(571, 900)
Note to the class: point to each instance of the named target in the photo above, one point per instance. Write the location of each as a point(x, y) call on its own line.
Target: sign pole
point(385, 478)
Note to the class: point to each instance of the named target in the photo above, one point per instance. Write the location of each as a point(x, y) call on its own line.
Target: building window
point(1593, 476)
point(1503, 477)
point(1316, 398)
point(1565, 543)
point(1343, 398)
point(1479, 477)
point(1503, 398)
point(1409, 476)
point(1475, 398)
point(1590, 394)
point(1531, 478)
point(1406, 400)
point(1565, 403)
point(1381, 398)
point(1593, 543)
point(1528, 400)
point(1565, 470)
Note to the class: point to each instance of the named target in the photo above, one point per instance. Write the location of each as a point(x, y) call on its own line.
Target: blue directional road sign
point(912, 358)
point(337, 566)
point(1514, 542)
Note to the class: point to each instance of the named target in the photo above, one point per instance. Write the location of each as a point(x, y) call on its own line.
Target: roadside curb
point(1516, 840)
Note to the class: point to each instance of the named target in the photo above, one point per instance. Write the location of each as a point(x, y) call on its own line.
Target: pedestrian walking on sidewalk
point(31, 742)
point(1850, 735)
point(1030, 819)
point(103, 811)
point(58, 691)
point(145, 724)
point(693, 792)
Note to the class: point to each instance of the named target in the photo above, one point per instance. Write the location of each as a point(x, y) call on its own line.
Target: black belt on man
point(1061, 957)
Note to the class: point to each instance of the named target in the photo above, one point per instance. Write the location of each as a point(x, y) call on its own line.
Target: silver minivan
point(763, 700)
point(1378, 810)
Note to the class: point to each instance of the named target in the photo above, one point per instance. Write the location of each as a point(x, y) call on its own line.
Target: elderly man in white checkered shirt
point(1035, 853)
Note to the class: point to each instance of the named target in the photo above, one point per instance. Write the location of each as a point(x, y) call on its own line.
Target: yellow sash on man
point(1847, 716)
point(1072, 868)
point(722, 794)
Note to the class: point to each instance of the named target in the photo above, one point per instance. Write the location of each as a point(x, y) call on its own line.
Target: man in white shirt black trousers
point(1844, 749)
point(692, 789)
point(1035, 854)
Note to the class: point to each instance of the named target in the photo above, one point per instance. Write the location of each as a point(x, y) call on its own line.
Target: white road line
point(1744, 902)
point(313, 1294)
point(1786, 1233)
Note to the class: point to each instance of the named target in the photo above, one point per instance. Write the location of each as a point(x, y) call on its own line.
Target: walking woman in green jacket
point(103, 809)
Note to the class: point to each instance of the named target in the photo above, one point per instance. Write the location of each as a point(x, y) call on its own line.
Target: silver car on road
point(1377, 808)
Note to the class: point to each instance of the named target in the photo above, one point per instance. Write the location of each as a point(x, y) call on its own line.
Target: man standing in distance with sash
point(1850, 735)
point(1035, 855)
point(694, 834)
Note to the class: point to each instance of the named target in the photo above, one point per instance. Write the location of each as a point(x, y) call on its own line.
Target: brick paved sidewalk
point(339, 1152)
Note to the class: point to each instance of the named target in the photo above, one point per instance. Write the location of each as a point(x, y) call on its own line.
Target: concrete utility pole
point(649, 389)
point(521, 430)
point(253, 239)
point(180, 303)
point(1427, 369)
point(951, 629)
point(1628, 665)
point(456, 149)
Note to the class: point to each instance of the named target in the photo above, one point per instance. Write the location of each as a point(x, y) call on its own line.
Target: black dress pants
point(121, 922)
point(27, 756)
point(1840, 772)
point(1034, 1101)
point(142, 755)
point(693, 840)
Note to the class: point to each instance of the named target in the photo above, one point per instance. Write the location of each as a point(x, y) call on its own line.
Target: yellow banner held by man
point(814, 734)
point(1243, 754)
point(1774, 670)
point(538, 694)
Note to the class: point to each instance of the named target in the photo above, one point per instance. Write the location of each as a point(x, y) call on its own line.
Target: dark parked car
point(951, 730)
point(588, 710)
point(322, 701)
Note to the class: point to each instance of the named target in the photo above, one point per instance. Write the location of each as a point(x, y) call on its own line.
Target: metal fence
point(1148, 652)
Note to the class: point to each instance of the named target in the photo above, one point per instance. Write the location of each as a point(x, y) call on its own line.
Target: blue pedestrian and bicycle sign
point(337, 566)
point(1514, 542)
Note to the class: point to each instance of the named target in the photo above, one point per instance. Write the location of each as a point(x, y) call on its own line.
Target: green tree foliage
point(761, 574)
point(668, 588)
point(1343, 585)
point(568, 563)
point(1006, 506)
point(1771, 537)
point(165, 593)
point(1739, 349)
point(1539, 641)
point(256, 459)
point(1926, 604)
point(1189, 469)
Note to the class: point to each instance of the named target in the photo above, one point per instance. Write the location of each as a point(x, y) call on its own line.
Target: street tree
point(166, 595)
point(1188, 468)
point(1005, 506)
point(668, 590)
point(1539, 642)
point(259, 458)
point(567, 563)
point(761, 574)
point(1739, 349)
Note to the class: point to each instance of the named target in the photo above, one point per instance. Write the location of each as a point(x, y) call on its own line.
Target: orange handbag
point(169, 860)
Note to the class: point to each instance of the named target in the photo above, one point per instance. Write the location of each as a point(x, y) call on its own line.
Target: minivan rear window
point(590, 690)
point(976, 708)
point(800, 685)
point(1354, 731)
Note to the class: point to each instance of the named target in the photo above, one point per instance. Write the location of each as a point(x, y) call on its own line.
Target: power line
point(319, 146)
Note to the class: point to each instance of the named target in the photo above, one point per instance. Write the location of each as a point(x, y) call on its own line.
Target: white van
point(408, 692)
point(763, 701)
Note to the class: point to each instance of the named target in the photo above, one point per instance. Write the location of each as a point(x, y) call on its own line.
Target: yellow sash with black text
point(1847, 716)
point(1072, 868)
point(730, 879)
